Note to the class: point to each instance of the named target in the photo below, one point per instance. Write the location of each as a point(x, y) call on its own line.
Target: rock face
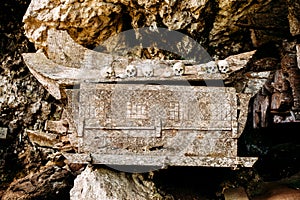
point(225, 25)
point(24, 103)
point(294, 17)
point(93, 21)
point(89, 21)
point(51, 182)
point(105, 184)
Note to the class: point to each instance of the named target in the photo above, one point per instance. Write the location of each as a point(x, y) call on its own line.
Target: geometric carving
point(132, 122)
point(174, 111)
point(136, 110)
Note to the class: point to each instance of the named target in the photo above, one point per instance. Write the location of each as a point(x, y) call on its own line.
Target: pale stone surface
point(238, 61)
point(87, 22)
point(105, 184)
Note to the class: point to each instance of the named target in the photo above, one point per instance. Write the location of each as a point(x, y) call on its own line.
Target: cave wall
point(223, 27)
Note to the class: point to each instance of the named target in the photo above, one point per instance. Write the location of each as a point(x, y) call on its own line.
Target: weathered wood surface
point(40, 64)
point(279, 99)
point(162, 161)
point(153, 120)
point(73, 62)
point(154, 116)
point(92, 66)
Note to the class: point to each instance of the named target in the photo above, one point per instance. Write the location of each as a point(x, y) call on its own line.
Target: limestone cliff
point(34, 169)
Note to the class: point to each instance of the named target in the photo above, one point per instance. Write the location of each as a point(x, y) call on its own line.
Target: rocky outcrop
point(224, 27)
point(287, 188)
point(24, 103)
point(99, 183)
point(294, 17)
point(50, 183)
point(89, 21)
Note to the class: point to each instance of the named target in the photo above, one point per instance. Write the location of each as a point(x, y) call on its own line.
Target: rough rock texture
point(294, 17)
point(24, 103)
point(221, 24)
point(50, 183)
point(99, 183)
point(235, 193)
point(222, 27)
point(88, 21)
point(13, 100)
point(284, 189)
point(265, 21)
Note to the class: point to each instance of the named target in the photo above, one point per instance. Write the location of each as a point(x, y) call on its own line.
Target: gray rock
point(105, 184)
point(49, 183)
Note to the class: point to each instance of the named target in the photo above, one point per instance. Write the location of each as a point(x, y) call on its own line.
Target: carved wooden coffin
point(149, 124)
point(156, 120)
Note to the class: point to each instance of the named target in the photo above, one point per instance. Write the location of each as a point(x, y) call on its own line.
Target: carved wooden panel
point(154, 120)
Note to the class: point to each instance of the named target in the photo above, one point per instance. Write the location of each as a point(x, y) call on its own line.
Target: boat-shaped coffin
point(157, 120)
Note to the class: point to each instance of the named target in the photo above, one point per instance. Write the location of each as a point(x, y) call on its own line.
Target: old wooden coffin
point(147, 121)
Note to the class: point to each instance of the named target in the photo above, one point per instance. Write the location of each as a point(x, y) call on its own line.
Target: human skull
point(179, 69)
point(131, 71)
point(211, 67)
point(223, 66)
point(277, 119)
point(148, 71)
point(108, 72)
